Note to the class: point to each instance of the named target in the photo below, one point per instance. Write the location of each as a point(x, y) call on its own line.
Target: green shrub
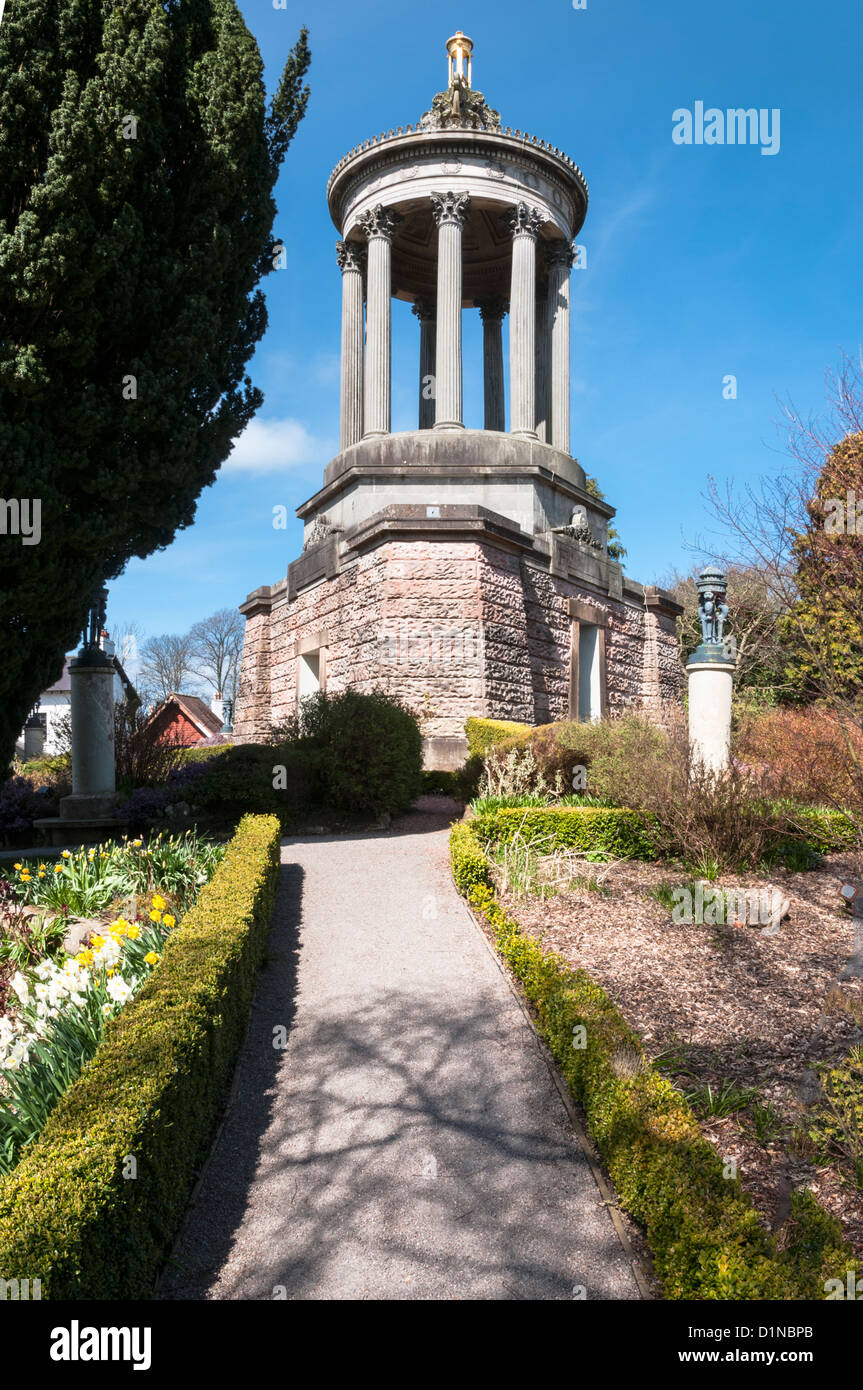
point(606, 830)
point(370, 749)
point(153, 1091)
point(248, 779)
point(705, 1236)
point(483, 734)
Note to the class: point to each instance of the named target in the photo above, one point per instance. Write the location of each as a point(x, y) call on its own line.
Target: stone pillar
point(710, 671)
point(351, 257)
point(543, 357)
point(379, 224)
point(450, 211)
point(426, 312)
point(492, 311)
point(91, 676)
point(560, 256)
point(710, 686)
point(34, 737)
point(524, 223)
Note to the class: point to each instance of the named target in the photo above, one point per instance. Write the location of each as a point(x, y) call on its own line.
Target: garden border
point(704, 1234)
point(70, 1215)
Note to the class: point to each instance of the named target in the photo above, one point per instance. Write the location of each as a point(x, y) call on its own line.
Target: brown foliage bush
point(814, 753)
point(712, 822)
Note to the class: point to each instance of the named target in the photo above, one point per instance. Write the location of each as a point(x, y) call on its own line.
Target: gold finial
point(459, 49)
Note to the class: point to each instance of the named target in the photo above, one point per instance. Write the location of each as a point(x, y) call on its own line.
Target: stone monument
point(465, 570)
point(710, 672)
point(88, 812)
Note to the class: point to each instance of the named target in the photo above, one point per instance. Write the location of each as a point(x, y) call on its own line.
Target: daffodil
point(19, 867)
point(58, 868)
point(97, 941)
point(84, 957)
point(151, 958)
point(168, 920)
point(133, 931)
point(67, 854)
point(155, 916)
point(159, 902)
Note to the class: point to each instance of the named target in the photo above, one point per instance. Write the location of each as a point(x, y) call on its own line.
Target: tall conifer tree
point(138, 157)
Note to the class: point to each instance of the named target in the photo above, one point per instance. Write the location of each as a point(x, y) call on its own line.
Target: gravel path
point(408, 1141)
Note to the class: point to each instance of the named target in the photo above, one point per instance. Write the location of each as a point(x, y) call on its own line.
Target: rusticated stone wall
point(455, 628)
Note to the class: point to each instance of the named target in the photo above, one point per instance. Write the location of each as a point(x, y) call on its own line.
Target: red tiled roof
point(195, 709)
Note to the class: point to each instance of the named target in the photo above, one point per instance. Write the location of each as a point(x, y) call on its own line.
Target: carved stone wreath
point(460, 108)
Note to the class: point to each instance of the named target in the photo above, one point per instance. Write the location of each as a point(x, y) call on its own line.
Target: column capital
point(351, 255)
point(523, 221)
point(425, 310)
point(494, 308)
point(379, 221)
point(450, 207)
point(559, 252)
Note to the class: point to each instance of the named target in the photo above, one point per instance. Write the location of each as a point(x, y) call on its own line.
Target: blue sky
point(702, 261)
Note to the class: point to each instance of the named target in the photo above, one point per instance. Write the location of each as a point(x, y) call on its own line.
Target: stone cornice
point(412, 145)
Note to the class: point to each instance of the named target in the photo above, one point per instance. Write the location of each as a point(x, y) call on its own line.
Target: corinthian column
point(351, 257)
point(524, 223)
point(379, 224)
point(425, 311)
point(543, 356)
point(560, 256)
point(449, 210)
point(492, 311)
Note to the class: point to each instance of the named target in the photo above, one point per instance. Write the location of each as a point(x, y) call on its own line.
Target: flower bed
point(95, 1202)
point(704, 1233)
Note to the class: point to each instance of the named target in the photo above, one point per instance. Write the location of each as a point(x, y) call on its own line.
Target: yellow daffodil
point(159, 902)
point(136, 844)
point(84, 957)
point(67, 854)
point(19, 867)
point(155, 916)
point(168, 920)
point(97, 942)
point(41, 873)
point(58, 868)
point(133, 931)
point(151, 958)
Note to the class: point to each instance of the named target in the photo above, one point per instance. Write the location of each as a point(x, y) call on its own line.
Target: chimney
point(217, 705)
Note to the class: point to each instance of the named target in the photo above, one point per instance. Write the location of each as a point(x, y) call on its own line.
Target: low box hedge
point(601, 829)
point(69, 1213)
point(483, 734)
point(705, 1236)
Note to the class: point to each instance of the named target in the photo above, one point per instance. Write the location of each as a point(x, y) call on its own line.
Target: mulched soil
point(728, 1003)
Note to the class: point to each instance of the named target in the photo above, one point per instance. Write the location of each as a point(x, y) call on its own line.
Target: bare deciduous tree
point(167, 662)
point(216, 647)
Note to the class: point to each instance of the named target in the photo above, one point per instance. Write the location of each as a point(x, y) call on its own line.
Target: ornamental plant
point(60, 1012)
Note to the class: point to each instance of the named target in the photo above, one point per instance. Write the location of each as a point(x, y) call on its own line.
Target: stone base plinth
point(710, 687)
point(93, 806)
point(57, 831)
point(444, 754)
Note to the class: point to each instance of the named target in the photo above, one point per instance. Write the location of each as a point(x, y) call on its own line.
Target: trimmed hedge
point(483, 734)
point(625, 833)
point(153, 1091)
point(705, 1236)
point(600, 829)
